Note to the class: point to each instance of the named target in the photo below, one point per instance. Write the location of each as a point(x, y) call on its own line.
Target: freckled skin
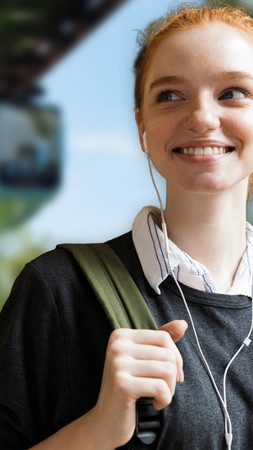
point(200, 108)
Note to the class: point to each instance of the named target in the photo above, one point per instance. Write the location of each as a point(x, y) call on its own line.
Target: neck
point(211, 229)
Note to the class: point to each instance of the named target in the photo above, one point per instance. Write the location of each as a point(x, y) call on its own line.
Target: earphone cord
point(228, 429)
point(246, 342)
point(157, 192)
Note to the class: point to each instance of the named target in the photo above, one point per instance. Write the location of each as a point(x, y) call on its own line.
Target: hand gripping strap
point(125, 308)
point(113, 286)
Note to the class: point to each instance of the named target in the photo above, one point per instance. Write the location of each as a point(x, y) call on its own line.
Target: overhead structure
point(247, 4)
point(35, 34)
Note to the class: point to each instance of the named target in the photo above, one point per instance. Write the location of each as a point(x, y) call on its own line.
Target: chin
point(205, 188)
point(206, 183)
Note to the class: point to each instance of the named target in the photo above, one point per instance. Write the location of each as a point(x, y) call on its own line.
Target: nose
point(202, 116)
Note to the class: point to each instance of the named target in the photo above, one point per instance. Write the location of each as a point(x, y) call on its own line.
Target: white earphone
point(144, 136)
point(246, 341)
point(164, 228)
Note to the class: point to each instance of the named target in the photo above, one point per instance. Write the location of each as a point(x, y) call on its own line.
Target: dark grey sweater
point(53, 337)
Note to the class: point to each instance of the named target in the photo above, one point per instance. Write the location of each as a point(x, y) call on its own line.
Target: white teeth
point(204, 151)
point(198, 151)
point(208, 151)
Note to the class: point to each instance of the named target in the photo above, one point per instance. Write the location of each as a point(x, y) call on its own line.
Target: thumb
point(176, 329)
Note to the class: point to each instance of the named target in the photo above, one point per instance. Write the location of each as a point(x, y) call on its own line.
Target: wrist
point(96, 432)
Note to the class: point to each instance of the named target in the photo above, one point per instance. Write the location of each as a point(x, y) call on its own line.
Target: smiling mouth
point(203, 151)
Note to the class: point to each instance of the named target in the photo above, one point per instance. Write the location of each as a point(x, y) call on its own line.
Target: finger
point(156, 388)
point(166, 371)
point(176, 329)
point(148, 352)
point(147, 337)
point(147, 345)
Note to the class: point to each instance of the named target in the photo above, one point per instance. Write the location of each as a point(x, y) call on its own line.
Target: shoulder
point(124, 247)
point(53, 265)
point(60, 265)
point(48, 286)
point(54, 284)
point(57, 270)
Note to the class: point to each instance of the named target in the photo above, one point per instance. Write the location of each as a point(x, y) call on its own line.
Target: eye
point(234, 93)
point(167, 96)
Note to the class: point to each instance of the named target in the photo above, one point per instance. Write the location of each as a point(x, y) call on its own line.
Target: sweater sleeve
point(34, 390)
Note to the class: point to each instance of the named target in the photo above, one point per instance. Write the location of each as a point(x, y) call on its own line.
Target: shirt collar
point(149, 242)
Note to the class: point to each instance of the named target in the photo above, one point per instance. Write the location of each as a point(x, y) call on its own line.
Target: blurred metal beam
point(35, 34)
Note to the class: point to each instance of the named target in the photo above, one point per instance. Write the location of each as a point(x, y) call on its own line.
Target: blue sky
point(106, 179)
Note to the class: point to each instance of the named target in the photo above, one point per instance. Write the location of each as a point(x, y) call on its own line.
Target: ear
point(141, 128)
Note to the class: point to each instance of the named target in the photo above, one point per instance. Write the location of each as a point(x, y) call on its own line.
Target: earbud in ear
point(144, 136)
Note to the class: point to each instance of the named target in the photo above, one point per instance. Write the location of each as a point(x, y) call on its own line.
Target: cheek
point(162, 131)
point(163, 134)
point(242, 128)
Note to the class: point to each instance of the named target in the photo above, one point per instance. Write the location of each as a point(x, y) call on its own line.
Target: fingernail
point(182, 320)
point(181, 376)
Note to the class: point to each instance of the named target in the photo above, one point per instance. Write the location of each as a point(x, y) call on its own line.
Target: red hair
point(177, 20)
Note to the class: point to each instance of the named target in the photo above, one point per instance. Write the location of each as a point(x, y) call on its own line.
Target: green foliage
point(15, 209)
point(16, 249)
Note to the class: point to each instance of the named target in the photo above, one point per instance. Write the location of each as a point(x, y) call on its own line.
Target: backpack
point(115, 290)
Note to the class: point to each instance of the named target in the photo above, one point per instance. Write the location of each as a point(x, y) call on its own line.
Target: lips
point(203, 151)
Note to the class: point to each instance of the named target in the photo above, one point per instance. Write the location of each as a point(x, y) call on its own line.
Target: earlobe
point(140, 125)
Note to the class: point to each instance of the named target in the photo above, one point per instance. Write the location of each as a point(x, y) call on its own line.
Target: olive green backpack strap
point(125, 308)
point(113, 286)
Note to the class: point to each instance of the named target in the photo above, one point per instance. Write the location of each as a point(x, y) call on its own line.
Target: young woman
point(67, 381)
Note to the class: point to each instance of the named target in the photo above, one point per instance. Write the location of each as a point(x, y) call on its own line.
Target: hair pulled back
point(186, 16)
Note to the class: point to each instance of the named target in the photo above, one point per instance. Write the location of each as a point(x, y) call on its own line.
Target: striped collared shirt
point(149, 243)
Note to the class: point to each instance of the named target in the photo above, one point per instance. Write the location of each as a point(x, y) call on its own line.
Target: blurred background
point(71, 168)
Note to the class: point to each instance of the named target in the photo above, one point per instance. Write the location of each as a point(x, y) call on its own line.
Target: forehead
point(202, 47)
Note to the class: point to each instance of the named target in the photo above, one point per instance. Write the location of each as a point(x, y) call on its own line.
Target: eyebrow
point(165, 80)
point(234, 74)
point(224, 75)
